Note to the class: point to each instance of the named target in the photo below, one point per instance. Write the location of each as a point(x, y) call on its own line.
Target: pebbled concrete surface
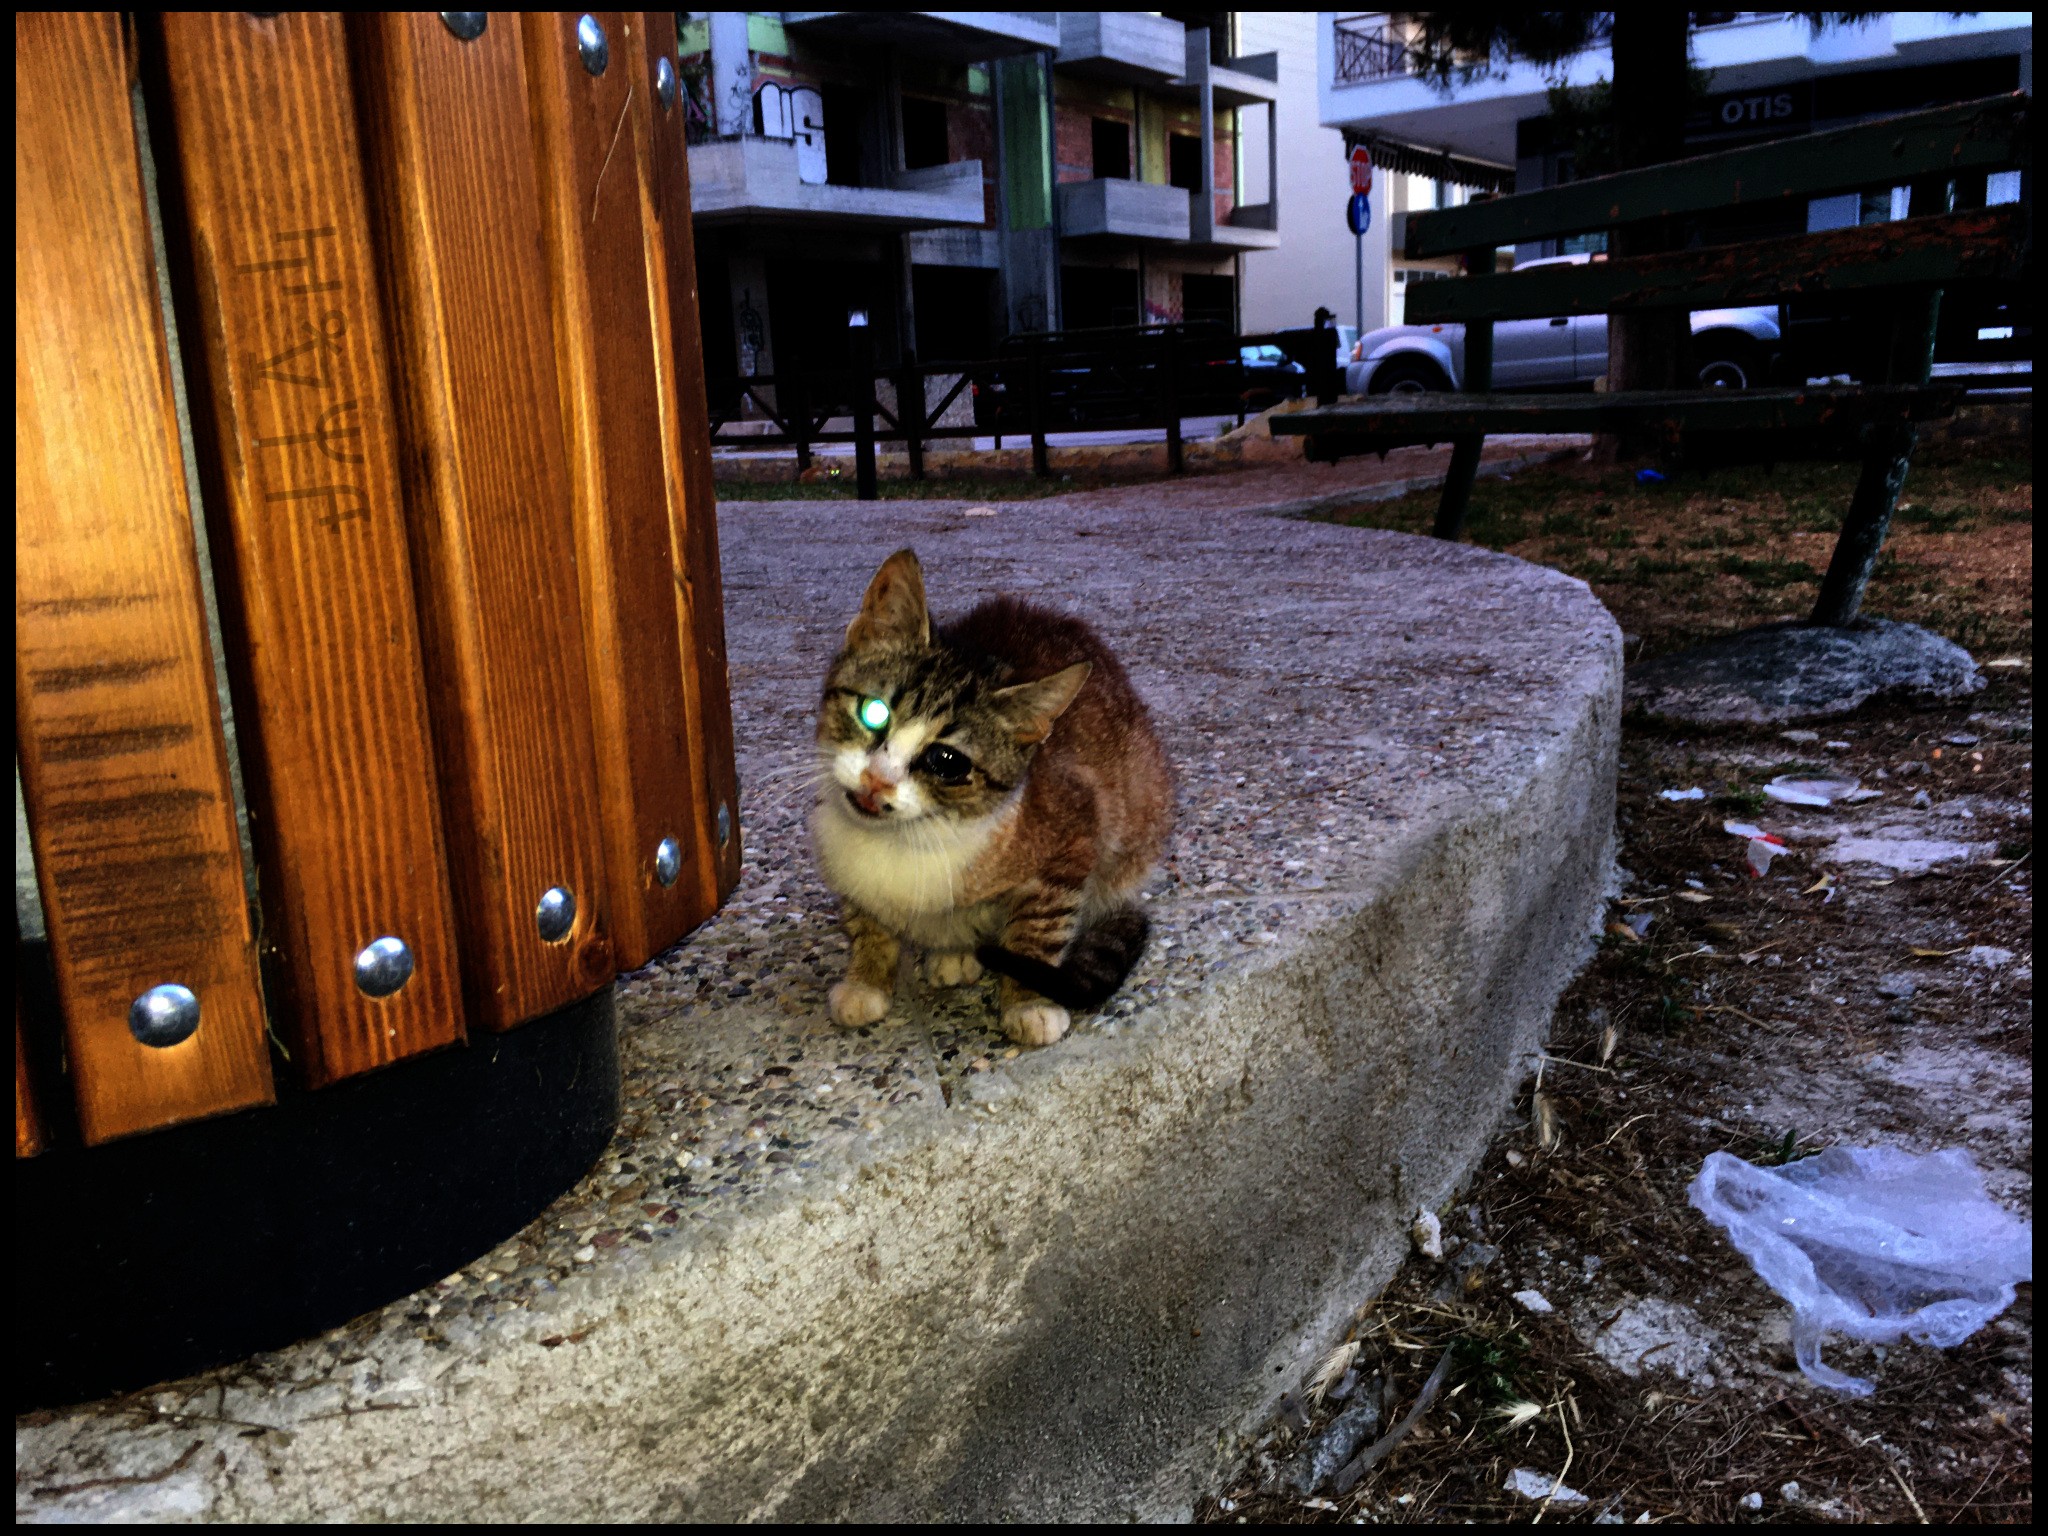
point(904, 1272)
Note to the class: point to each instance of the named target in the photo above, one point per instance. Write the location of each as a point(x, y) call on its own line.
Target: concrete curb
point(1063, 1293)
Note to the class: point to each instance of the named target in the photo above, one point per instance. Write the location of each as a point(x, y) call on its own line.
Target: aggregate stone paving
point(1301, 717)
point(1315, 685)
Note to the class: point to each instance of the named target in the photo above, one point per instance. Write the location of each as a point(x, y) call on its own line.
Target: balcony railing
point(1366, 52)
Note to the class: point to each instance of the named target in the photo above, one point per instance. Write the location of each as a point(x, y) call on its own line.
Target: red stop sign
point(1361, 169)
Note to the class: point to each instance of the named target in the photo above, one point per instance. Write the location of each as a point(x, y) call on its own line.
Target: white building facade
point(1770, 75)
point(1314, 264)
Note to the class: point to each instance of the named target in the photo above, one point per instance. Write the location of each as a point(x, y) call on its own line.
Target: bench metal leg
point(1450, 512)
point(1863, 530)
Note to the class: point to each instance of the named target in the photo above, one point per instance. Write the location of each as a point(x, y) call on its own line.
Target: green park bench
point(1909, 261)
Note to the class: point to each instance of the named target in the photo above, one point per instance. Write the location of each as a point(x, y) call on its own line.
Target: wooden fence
point(431, 298)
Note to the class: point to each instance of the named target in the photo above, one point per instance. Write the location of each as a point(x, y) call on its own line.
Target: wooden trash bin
point(417, 326)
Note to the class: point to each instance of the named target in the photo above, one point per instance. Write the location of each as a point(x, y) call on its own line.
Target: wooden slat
point(591, 191)
point(1982, 244)
point(1390, 420)
point(1974, 135)
point(124, 767)
point(686, 450)
point(459, 220)
point(30, 1134)
point(297, 440)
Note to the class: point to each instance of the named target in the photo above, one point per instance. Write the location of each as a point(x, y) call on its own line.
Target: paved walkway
point(909, 1272)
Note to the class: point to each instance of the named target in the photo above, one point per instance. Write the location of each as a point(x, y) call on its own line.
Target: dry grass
point(1753, 1017)
point(1703, 553)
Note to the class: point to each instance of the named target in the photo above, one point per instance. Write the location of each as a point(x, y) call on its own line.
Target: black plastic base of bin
point(167, 1253)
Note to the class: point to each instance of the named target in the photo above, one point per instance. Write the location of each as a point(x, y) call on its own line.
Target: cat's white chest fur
point(908, 878)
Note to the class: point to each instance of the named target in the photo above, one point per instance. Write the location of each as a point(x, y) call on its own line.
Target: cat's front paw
point(1039, 1023)
point(952, 968)
point(855, 1003)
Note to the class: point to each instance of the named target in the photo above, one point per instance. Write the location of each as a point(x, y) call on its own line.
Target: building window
point(1112, 150)
point(1848, 209)
point(1092, 298)
point(1208, 299)
point(846, 114)
point(1184, 162)
point(924, 133)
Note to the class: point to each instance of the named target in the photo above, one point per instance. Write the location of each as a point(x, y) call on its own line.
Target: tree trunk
point(1649, 349)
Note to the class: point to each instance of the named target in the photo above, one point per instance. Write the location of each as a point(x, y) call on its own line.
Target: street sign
point(1359, 214)
point(1361, 170)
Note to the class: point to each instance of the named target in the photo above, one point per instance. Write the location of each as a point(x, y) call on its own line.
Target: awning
point(1439, 164)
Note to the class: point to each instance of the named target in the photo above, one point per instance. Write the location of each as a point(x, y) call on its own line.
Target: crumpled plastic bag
point(1871, 1243)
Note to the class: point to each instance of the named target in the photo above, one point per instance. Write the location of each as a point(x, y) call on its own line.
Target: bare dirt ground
point(1874, 988)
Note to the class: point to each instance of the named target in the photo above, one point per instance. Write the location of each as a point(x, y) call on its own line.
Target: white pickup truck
point(1733, 347)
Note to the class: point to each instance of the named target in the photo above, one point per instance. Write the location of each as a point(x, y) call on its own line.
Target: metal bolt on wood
point(556, 914)
point(665, 84)
point(591, 44)
point(724, 824)
point(467, 25)
point(668, 861)
point(383, 966)
point(164, 1015)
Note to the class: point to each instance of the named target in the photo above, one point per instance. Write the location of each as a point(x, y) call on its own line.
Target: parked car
point(1270, 376)
point(1735, 349)
point(1106, 379)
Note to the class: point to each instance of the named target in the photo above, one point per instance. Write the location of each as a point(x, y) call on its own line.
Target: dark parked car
point(1113, 378)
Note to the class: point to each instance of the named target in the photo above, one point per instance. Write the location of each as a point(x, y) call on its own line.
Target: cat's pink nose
point(874, 789)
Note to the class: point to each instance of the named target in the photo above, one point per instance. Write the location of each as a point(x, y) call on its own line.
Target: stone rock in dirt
point(1653, 1334)
point(1783, 673)
point(1467, 1270)
point(1428, 1233)
point(1337, 1444)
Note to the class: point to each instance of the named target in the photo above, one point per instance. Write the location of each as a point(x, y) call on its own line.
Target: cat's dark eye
point(945, 764)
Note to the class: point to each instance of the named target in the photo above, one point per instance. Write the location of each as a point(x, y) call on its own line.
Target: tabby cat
point(992, 791)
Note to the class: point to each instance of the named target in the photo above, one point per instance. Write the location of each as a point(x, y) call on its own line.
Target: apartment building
point(960, 176)
point(1769, 75)
point(1290, 158)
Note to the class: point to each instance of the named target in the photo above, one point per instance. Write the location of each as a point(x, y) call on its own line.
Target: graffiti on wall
point(798, 113)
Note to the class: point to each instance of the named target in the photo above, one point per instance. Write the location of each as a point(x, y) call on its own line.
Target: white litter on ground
point(1871, 1243)
point(1531, 1484)
point(1810, 789)
point(1902, 854)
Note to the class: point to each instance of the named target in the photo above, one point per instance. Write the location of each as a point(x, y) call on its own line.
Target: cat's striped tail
point(1097, 960)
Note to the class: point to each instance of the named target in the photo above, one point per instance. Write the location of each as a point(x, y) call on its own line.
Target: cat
point(993, 791)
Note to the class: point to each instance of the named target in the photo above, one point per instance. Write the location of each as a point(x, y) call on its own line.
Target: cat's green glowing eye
point(874, 713)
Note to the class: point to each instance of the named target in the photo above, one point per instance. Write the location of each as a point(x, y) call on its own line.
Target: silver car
point(1734, 348)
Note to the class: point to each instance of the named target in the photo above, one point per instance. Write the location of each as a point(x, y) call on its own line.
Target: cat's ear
point(1029, 709)
point(893, 612)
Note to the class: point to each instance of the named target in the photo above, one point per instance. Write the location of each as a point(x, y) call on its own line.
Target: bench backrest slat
point(117, 723)
point(1979, 135)
point(500, 607)
point(714, 863)
point(1979, 244)
point(296, 431)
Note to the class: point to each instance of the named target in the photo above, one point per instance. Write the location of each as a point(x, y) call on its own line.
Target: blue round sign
point(1359, 214)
